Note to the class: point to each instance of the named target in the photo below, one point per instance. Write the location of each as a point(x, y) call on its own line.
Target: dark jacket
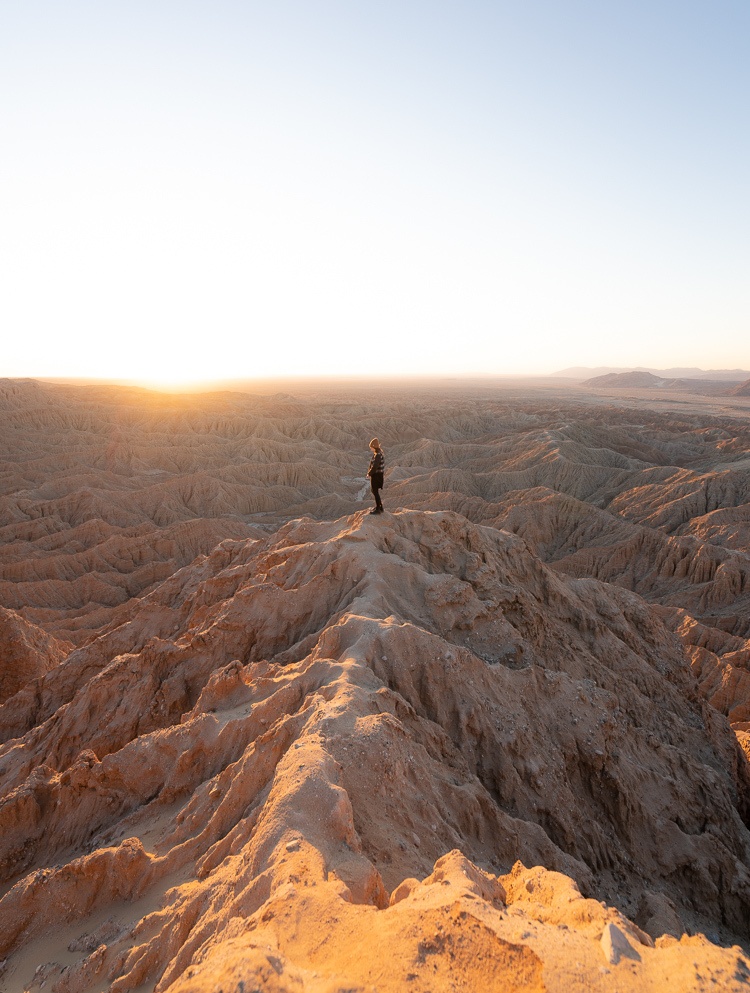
point(377, 464)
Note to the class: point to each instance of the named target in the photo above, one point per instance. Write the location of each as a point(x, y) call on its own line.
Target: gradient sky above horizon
point(201, 190)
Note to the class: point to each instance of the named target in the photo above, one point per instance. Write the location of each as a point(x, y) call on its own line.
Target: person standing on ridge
point(375, 472)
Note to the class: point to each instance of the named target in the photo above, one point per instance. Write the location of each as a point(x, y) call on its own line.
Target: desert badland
point(254, 738)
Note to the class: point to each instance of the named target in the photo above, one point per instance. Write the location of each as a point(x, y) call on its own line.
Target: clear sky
point(232, 189)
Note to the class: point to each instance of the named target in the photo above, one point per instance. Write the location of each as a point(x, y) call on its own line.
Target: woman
point(375, 472)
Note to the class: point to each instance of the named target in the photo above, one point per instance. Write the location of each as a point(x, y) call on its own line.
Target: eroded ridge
point(241, 783)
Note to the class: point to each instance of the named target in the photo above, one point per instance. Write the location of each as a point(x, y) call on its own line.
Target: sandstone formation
point(480, 742)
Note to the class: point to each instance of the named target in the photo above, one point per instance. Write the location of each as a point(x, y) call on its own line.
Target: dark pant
point(376, 485)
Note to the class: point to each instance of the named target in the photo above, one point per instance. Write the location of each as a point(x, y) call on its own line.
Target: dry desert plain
point(254, 738)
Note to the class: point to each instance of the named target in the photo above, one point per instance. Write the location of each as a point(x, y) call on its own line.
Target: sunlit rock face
point(454, 746)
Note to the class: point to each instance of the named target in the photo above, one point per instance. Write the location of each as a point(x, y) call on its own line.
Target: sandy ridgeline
point(410, 752)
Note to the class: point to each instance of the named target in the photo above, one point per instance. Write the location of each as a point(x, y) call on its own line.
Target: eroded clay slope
point(26, 653)
point(239, 783)
point(105, 491)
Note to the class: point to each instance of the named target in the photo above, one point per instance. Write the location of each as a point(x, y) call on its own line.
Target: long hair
point(375, 444)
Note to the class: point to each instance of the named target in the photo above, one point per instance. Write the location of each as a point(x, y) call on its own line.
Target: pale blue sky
point(233, 189)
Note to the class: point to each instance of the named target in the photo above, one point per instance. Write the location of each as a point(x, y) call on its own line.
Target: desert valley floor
point(255, 738)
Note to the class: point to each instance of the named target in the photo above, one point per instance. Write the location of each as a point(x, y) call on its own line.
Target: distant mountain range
point(646, 380)
point(723, 375)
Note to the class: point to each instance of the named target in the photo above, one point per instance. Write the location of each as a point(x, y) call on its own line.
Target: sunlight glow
point(189, 197)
